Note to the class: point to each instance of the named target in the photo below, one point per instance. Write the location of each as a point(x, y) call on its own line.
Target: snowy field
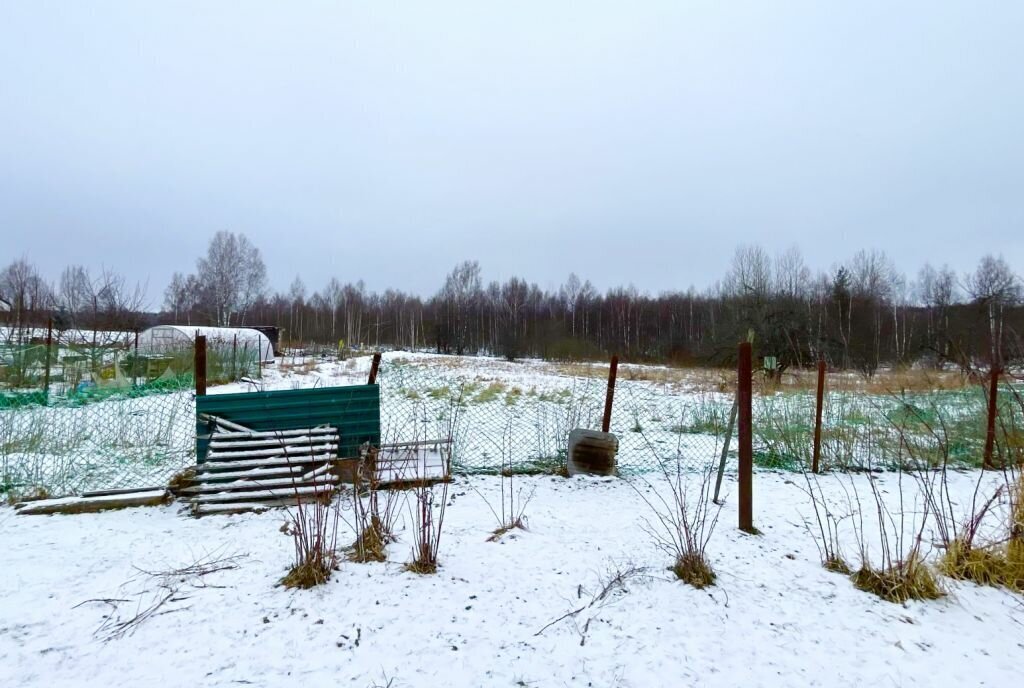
point(775, 617)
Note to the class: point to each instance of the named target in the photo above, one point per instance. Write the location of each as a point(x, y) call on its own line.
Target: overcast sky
point(629, 142)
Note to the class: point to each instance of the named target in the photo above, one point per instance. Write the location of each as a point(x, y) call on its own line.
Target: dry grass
point(371, 544)
point(837, 564)
point(911, 579)
point(36, 494)
point(311, 572)
point(983, 565)
point(882, 382)
point(500, 532)
point(421, 566)
point(181, 480)
point(693, 568)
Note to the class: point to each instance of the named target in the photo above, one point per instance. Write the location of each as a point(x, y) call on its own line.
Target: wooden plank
point(271, 462)
point(269, 433)
point(326, 468)
point(269, 494)
point(246, 485)
point(89, 505)
point(326, 435)
point(228, 508)
point(254, 473)
point(124, 491)
point(305, 450)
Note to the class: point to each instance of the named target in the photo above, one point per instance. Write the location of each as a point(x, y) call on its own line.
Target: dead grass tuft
point(181, 480)
point(983, 565)
point(36, 494)
point(906, 580)
point(311, 572)
point(421, 567)
point(371, 545)
point(693, 568)
point(517, 524)
point(837, 564)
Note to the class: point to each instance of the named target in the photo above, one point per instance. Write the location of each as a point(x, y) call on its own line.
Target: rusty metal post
point(374, 367)
point(200, 365)
point(993, 412)
point(613, 371)
point(817, 416)
point(135, 360)
point(46, 371)
point(745, 439)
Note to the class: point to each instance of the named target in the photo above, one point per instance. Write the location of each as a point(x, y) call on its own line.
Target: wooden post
point(234, 358)
point(46, 371)
point(374, 367)
point(817, 416)
point(993, 412)
point(613, 371)
point(745, 439)
point(200, 365)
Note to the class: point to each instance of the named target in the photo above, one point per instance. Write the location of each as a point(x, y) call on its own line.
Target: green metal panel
point(354, 410)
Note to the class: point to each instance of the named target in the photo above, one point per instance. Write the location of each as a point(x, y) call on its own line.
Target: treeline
point(861, 314)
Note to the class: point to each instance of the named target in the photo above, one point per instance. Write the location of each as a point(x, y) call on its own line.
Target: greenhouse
point(225, 341)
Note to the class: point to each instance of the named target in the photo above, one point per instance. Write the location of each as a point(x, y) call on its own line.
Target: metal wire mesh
point(109, 420)
point(76, 417)
point(525, 421)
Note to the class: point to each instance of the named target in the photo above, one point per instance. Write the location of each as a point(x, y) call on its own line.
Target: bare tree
point(750, 274)
point(792, 276)
point(233, 276)
point(994, 286)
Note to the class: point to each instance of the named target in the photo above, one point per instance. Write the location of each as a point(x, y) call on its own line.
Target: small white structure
point(164, 339)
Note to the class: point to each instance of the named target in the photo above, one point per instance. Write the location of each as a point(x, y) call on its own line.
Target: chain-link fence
point(77, 415)
point(886, 430)
point(112, 420)
point(524, 420)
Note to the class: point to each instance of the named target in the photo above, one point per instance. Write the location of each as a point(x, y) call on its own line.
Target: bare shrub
point(511, 512)
point(901, 572)
point(430, 500)
point(313, 526)
point(829, 521)
point(375, 511)
point(684, 519)
point(970, 553)
point(428, 507)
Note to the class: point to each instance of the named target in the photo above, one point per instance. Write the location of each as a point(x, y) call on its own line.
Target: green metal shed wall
point(354, 410)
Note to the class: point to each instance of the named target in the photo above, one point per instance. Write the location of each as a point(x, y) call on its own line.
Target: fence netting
point(90, 411)
point(523, 420)
point(108, 418)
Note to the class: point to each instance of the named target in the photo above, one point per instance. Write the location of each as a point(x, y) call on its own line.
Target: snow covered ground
point(775, 618)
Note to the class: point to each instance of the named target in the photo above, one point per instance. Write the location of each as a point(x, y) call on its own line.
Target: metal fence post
point(745, 440)
point(200, 365)
point(374, 367)
point(817, 416)
point(725, 451)
point(993, 412)
point(46, 371)
point(613, 371)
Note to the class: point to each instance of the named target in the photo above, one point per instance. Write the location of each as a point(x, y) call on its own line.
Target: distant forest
point(863, 314)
